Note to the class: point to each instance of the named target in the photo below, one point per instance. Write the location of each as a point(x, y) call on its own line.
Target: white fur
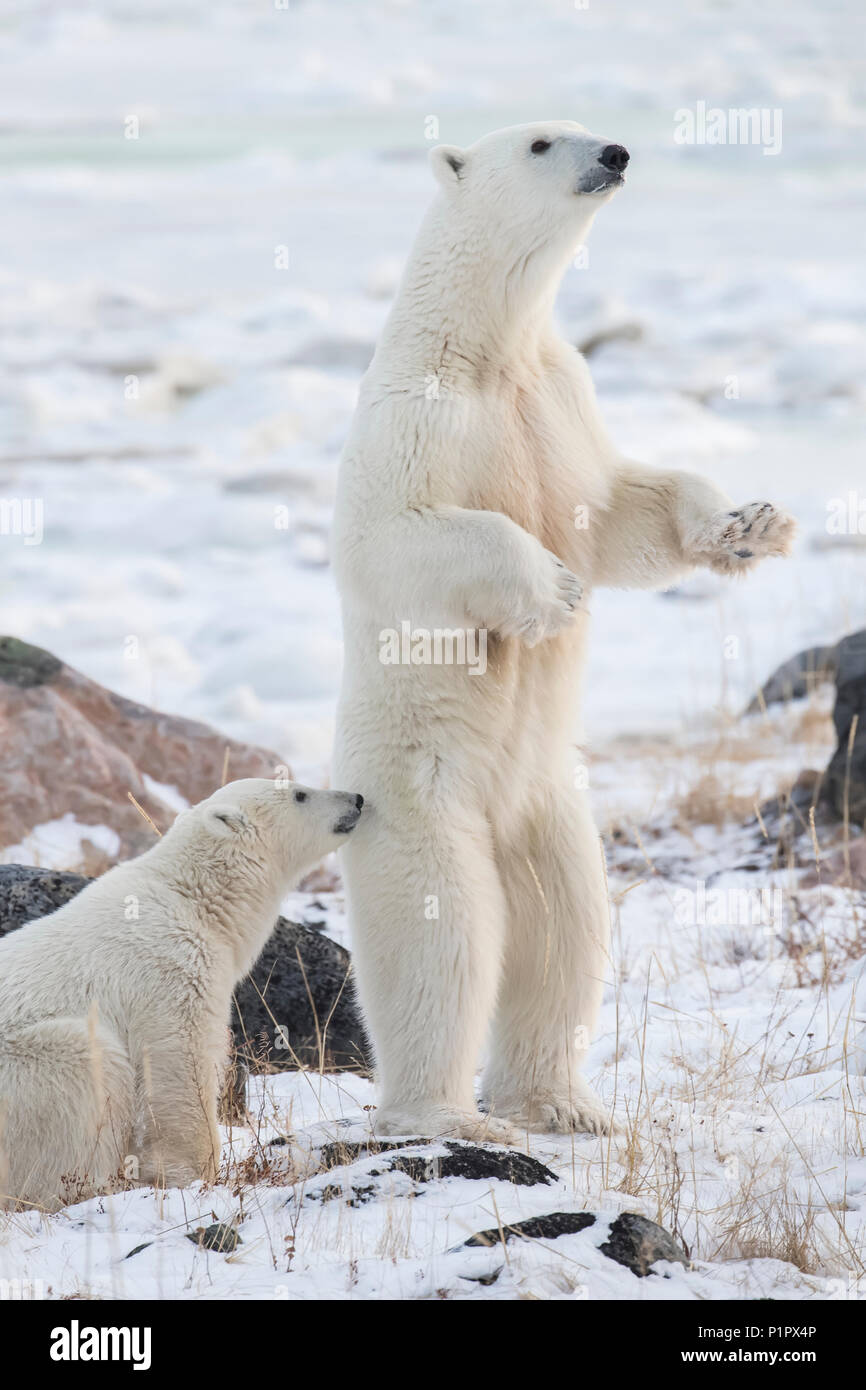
point(114, 1009)
point(476, 437)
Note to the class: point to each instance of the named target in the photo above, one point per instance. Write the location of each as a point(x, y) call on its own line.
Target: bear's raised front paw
point(731, 542)
point(554, 596)
point(438, 1123)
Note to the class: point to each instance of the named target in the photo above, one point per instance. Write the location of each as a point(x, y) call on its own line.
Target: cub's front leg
point(181, 1142)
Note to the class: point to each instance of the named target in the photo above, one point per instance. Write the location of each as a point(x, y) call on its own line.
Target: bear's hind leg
point(556, 958)
point(427, 922)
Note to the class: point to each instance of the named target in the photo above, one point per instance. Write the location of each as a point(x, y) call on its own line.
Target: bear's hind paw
point(445, 1124)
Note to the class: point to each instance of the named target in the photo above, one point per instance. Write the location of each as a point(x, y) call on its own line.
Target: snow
point(61, 844)
point(187, 316)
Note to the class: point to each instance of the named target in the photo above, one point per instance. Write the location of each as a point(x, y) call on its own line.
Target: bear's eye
point(300, 796)
point(539, 146)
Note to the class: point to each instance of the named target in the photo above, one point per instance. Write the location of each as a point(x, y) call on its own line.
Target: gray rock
point(426, 1162)
point(845, 780)
point(632, 1241)
point(24, 665)
point(637, 1243)
point(296, 1006)
point(27, 892)
point(220, 1237)
point(797, 677)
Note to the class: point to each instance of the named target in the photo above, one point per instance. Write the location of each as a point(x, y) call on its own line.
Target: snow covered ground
point(206, 208)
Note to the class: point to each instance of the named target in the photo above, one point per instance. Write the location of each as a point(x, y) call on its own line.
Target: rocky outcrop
point(797, 677)
point(841, 790)
point(297, 1005)
point(70, 746)
point(27, 892)
point(845, 779)
point(424, 1161)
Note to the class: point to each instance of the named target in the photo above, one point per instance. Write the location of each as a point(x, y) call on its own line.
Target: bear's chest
point(541, 462)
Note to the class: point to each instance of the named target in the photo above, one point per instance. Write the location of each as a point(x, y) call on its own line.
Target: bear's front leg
point(180, 1133)
point(658, 525)
point(733, 541)
point(447, 559)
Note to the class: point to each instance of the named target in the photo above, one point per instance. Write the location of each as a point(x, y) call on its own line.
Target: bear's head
point(534, 185)
point(279, 826)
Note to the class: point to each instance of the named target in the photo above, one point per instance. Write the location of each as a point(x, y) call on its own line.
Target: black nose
point(359, 801)
point(614, 157)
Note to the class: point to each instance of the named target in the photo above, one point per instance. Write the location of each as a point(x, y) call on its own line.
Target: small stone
point(220, 1237)
point(637, 1243)
point(138, 1248)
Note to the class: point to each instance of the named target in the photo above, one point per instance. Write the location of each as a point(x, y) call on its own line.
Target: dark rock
point(27, 893)
point(846, 772)
point(296, 1006)
point(618, 332)
point(555, 1223)
point(485, 1279)
point(219, 1236)
point(637, 1243)
point(842, 868)
point(797, 677)
point(24, 665)
point(462, 1160)
point(788, 816)
point(632, 1241)
point(423, 1162)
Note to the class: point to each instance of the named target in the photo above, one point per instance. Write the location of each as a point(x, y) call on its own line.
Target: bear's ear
point(448, 164)
point(228, 820)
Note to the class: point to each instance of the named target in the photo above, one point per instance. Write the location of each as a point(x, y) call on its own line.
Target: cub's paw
point(732, 542)
point(444, 1124)
point(554, 594)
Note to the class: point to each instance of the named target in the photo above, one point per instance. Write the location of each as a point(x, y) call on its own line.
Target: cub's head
point(278, 825)
point(541, 181)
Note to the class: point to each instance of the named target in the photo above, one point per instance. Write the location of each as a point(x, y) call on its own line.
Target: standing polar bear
point(114, 1009)
point(475, 883)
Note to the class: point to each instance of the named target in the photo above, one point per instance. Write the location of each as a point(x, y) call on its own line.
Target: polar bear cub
point(114, 1009)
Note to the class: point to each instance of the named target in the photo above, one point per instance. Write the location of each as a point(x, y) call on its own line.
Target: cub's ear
point(448, 163)
point(228, 820)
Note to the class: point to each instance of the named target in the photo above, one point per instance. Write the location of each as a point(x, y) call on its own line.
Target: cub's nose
point(614, 157)
point(359, 801)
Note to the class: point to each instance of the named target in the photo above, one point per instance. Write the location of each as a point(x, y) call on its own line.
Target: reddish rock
point(69, 745)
